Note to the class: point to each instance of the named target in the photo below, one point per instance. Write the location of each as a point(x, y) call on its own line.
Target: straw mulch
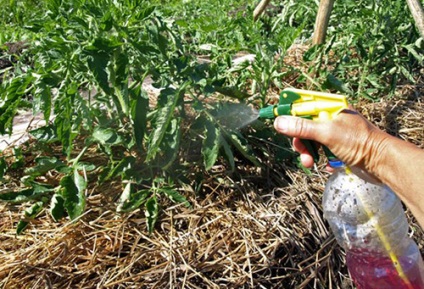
point(253, 228)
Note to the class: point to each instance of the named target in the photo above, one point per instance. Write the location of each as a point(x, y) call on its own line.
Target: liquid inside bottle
point(370, 271)
point(369, 222)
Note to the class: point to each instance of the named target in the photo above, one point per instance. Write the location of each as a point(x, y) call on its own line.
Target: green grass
point(112, 46)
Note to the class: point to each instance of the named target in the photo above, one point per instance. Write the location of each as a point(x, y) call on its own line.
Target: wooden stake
point(321, 22)
point(260, 9)
point(418, 14)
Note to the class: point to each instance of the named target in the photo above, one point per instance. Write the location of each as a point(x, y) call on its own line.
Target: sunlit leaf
point(85, 166)
point(80, 183)
point(73, 193)
point(11, 100)
point(63, 126)
point(176, 197)
point(120, 168)
point(163, 119)
point(35, 192)
point(42, 101)
point(106, 136)
point(43, 165)
point(45, 134)
point(130, 200)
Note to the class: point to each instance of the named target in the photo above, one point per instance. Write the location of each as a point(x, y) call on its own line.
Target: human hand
point(352, 138)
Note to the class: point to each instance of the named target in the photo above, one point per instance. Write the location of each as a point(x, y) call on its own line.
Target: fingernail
point(281, 123)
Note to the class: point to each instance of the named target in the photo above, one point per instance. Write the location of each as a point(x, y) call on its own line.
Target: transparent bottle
point(368, 221)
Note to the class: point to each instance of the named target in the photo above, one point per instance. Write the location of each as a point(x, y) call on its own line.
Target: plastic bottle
point(368, 221)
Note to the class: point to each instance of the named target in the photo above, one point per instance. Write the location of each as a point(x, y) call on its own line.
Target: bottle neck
point(363, 174)
point(360, 173)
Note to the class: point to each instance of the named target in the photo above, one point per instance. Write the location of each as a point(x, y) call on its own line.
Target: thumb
point(298, 127)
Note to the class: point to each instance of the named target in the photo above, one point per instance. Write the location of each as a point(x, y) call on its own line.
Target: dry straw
point(254, 228)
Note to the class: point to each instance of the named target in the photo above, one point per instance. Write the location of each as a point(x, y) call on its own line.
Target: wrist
point(377, 157)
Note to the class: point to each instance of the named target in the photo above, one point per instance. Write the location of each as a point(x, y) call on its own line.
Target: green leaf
point(88, 167)
point(123, 165)
point(54, 6)
point(63, 126)
point(411, 49)
point(171, 143)
point(158, 38)
point(97, 63)
point(176, 197)
point(121, 99)
point(181, 23)
point(11, 101)
point(19, 160)
point(228, 153)
point(42, 100)
point(312, 53)
point(40, 188)
point(124, 198)
point(106, 136)
point(146, 12)
point(164, 117)
point(45, 134)
point(80, 183)
point(72, 191)
point(29, 214)
point(32, 212)
point(37, 191)
point(241, 144)
point(232, 92)
point(334, 82)
point(103, 45)
point(18, 197)
point(139, 114)
point(130, 200)
point(211, 144)
point(152, 213)
point(43, 165)
point(72, 88)
point(22, 225)
point(57, 207)
point(121, 70)
point(106, 21)
point(407, 74)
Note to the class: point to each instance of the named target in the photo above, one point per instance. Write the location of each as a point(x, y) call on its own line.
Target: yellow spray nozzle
point(306, 103)
point(317, 105)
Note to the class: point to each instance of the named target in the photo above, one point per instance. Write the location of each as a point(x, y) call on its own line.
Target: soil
point(9, 52)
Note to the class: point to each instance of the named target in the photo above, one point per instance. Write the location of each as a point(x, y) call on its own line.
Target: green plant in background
point(86, 61)
point(372, 46)
point(86, 67)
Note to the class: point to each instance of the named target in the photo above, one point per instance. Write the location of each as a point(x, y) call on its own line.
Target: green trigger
point(288, 97)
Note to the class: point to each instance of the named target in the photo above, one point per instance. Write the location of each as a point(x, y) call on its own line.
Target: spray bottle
point(366, 217)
